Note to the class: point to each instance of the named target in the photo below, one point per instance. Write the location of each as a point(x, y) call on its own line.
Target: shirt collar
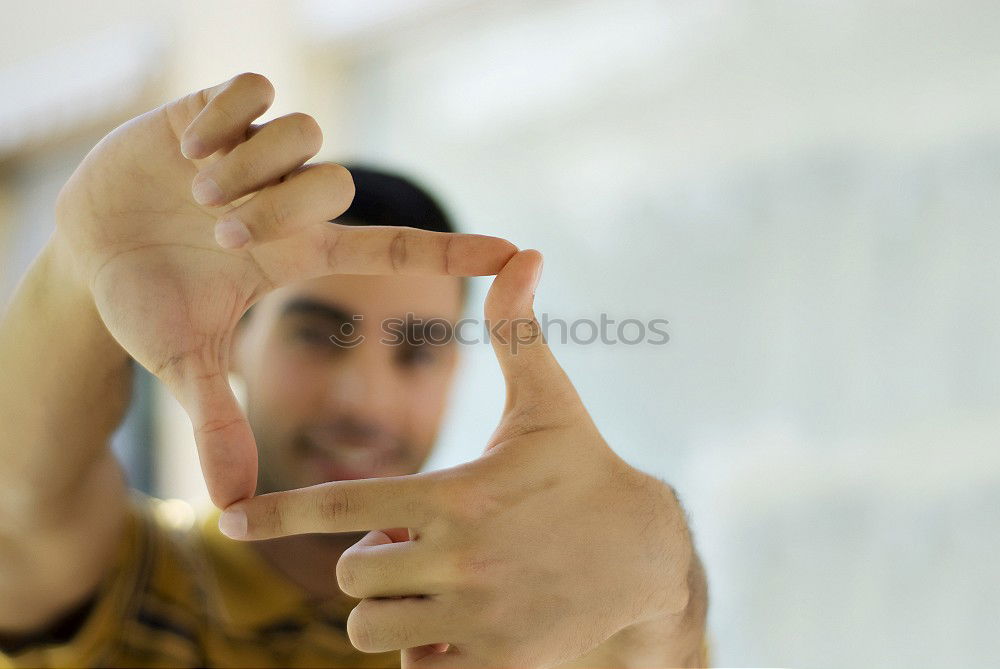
point(253, 594)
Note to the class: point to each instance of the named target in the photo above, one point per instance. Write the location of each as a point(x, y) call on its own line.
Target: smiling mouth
point(345, 459)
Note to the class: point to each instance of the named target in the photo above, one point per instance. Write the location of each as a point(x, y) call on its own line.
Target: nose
point(363, 383)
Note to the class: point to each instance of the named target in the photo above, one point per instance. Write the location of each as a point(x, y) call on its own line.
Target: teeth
point(356, 457)
point(351, 457)
point(360, 455)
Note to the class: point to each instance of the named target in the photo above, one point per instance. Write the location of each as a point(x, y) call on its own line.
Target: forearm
point(66, 385)
point(676, 640)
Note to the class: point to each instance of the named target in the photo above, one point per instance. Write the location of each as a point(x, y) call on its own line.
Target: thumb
point(534, 379)
point(226, 446)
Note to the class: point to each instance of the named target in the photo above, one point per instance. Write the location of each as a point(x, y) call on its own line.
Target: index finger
point(330, 248)
point(339, 506)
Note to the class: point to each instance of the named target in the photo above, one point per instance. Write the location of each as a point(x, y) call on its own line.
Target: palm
point(161, 283)
point(172, 296)
point(166, 291)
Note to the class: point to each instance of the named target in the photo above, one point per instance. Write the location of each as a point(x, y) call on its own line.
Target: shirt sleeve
point(86, 634)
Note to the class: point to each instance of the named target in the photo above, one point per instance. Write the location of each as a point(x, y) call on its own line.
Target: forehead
point(376, 296)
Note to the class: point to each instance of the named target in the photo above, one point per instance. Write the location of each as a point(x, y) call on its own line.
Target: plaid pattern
point(183, 595)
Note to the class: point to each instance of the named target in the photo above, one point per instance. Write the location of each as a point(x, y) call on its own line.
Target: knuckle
point(360, 628)
point(346, 580)
point(470, 505)
point(493, 615)
point(330, 248)
point(308, 130)
point(327, 171)
point(200, 98)
point(334, 503)
point(268, 518)
point(422, 509)
point(338, 184)
point(442, 502)
point(336, 174)
point(245, 171)
point(276, 215)
point(264, 517)
point(514, 653)
point(347, 575)
point(397, 251)
point(446, 253)
point(473, 569)
point(257, 83)
point(342, 173)
point(214, 426)
point(346, 180)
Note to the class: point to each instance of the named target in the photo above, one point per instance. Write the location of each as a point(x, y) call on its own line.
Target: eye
point(312, 336)
point(417, 356)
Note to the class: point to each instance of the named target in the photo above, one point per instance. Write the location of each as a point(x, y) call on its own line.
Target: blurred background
point(808, 191)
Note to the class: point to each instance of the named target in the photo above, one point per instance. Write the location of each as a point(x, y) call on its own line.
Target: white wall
point(809, 193)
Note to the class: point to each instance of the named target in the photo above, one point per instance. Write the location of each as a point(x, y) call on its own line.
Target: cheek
point(426, 402)
point(285, 386)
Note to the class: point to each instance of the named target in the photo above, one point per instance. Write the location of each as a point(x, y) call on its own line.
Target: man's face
point(323, 411)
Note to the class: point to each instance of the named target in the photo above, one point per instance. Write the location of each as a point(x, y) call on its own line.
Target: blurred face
point(324, 411)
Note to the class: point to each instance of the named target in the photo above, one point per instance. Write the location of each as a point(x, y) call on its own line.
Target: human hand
point(529, 556)
point(180, 219)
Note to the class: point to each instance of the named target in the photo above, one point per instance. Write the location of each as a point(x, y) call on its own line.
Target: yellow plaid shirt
point(181, 594)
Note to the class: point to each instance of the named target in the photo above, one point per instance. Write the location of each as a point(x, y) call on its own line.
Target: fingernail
point(233, 524)
point(191, 148)
point(206, 191)
point(230, 233)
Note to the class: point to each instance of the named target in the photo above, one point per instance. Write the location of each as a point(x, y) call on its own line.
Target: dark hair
point(382, 197)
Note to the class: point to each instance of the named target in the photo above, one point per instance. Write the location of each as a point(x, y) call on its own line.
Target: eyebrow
point(313, 308)
point(306, 306)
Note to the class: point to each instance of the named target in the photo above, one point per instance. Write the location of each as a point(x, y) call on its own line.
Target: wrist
point(62, 270)
point(672, 633)
point(676, 640)
point(63, 292)
point(678, 635)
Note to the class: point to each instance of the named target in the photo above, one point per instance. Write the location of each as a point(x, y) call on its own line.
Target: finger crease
point(397, 252)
